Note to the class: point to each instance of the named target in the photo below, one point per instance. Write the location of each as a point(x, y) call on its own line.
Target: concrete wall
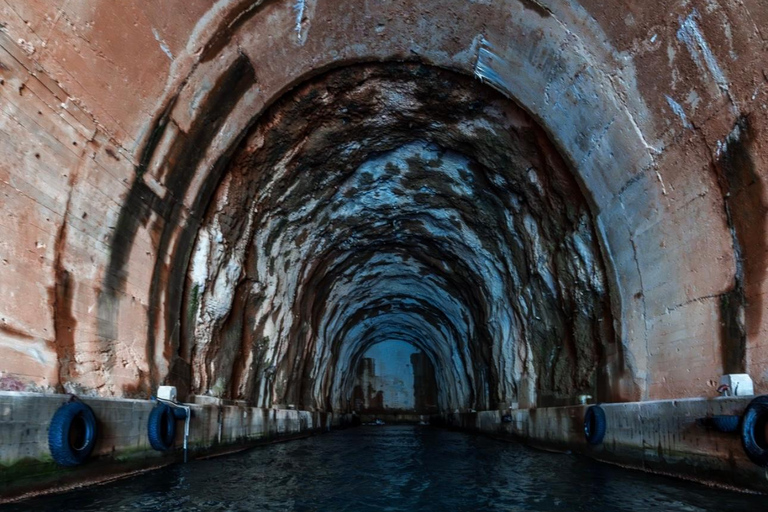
point(658, 436)
point(122, 445)
point(85, 86)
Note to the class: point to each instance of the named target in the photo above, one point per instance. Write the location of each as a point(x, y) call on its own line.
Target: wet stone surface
point(396, 469)
point(398, 202)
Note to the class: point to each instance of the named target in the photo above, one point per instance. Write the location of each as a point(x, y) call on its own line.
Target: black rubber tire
point(72, 434)
point(753, 431)
point(725, 423)
point(161, 428)
point(595, 425)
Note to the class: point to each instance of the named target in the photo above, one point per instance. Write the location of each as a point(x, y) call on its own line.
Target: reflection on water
point(396, 469)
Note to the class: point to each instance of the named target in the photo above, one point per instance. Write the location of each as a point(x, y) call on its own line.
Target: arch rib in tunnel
point(323, 195)
point(585, 160)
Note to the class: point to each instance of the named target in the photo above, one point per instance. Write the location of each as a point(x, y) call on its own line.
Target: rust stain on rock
point(60, 298)
point(16, 333)
point(744, 199)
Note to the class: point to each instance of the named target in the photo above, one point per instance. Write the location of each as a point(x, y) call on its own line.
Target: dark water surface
point(396, 469)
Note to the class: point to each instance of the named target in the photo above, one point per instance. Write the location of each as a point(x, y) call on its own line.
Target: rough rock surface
point(549, 198)
point(397, 202)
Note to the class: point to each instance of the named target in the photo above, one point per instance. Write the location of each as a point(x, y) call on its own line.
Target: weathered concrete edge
point(398, 418)
point(659, 436)
point(122, 447)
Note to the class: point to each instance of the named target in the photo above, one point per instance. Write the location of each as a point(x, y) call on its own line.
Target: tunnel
point(492, 216)
point(395, 202)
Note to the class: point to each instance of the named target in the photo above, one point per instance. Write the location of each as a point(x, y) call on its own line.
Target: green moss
point(28, 467)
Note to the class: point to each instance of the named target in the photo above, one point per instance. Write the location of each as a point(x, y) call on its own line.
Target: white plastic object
point(167, 393)
point(739, 384)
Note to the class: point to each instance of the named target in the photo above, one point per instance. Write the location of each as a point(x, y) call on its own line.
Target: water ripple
point(395, 469)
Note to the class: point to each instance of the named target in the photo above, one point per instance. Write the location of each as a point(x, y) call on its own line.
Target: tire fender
point(595, 425)
point(753, 431)
point(161, 427)
point(72, 434)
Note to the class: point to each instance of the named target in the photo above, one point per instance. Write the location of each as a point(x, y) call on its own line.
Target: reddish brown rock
point(183, 197)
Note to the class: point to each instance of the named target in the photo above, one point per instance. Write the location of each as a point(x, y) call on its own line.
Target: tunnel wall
point(471, 241)
point(663, 436)
point(113, 131)
point(122, 446)
point(674, 166)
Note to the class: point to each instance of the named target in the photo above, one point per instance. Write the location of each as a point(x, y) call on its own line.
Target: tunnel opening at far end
point(387, 204)
point(395, 378)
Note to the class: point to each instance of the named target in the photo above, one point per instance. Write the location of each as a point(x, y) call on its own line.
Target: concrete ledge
point(395, 418)
point(122, 446)
point(659, 436)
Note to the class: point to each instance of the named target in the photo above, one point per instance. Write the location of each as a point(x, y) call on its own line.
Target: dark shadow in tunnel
point(516, 197)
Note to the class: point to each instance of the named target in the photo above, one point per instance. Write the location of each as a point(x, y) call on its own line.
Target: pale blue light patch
point(734, 136)
point(484, 67)
point(163, 45)
point(299, 9)
point(678, 110)
point(690, 34)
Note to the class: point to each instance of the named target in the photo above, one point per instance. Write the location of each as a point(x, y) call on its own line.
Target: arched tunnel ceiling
point(553, 218)
point(398, 201)
point(490, 367)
